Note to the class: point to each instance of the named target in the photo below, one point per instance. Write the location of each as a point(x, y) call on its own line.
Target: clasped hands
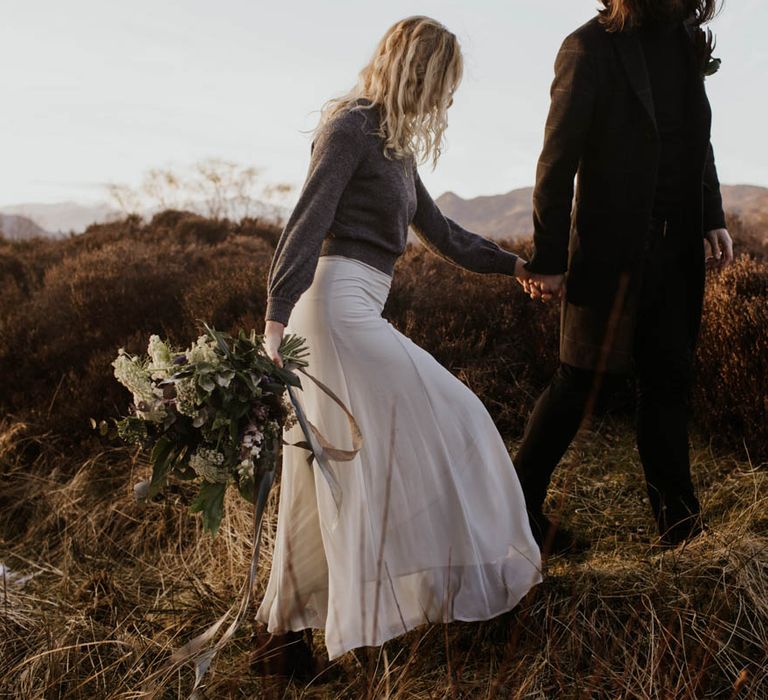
point(543, 287)
point(551, 287)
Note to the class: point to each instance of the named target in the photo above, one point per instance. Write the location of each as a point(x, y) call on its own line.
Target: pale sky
point(98, 91)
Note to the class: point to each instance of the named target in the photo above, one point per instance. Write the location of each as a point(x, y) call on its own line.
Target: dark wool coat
point(602, 128)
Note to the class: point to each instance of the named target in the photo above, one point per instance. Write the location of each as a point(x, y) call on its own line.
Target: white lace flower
point(162, 360)
point(186, 397)
point(154, 412)
point(288, 411)
point(130, 373)
point(253, 441)
point(203, 351)
point(245, 469)
point(208, 464)
point(146, 397)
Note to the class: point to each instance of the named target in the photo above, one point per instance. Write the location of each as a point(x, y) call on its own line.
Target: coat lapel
point(631, 53)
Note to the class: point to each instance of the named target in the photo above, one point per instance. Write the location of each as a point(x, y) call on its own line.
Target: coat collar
point(631, 53)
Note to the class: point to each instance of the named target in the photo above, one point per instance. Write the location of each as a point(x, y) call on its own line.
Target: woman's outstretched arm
point(447, 239)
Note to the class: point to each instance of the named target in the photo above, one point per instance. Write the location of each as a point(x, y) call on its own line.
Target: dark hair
point(630, 14)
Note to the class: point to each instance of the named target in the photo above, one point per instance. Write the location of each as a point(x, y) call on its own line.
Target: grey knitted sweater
point(358, 203)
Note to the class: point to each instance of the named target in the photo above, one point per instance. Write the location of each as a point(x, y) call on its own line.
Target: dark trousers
point(663, 357)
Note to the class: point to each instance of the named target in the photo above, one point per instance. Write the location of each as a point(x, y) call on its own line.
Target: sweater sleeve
point(335, 154)
point(573, 95)
point(453, 243)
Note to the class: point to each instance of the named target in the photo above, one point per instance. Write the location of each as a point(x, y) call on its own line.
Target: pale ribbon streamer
point(197, 650)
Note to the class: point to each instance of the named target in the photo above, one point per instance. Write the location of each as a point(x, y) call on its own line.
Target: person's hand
point(545, 287)
point(521, 274)
point(273, 338)
point(721, 247)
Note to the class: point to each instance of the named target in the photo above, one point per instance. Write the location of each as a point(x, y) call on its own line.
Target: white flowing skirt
point(433, 525)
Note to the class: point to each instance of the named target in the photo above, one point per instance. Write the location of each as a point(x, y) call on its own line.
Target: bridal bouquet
point(212, 413)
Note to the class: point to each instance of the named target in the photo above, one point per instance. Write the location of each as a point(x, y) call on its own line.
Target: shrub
point(67, 305)
point(749, 237)
point(483, 328)
point(731, 390)
point(110, 287)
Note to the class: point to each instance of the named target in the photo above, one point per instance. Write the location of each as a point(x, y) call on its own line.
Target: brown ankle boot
point(288, 654)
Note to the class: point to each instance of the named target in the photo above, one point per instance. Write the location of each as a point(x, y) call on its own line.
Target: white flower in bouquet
point(212, 413)
point(290, 416)
point(186, 397)
point(209, 464)
point(252, 442)
point(245, 469)
point(134, 377)
point(162, 359)
point(203, 351)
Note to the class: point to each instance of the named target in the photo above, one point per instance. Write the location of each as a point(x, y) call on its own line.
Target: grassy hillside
point(96, 588)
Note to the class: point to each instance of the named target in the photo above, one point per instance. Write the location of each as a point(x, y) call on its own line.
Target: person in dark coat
point(630, 117)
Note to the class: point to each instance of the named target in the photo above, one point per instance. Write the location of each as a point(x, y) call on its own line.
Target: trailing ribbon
point(318, 445)
point(197, 650)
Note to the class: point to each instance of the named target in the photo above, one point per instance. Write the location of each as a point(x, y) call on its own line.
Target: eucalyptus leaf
point(161, 456)
point(199, 419)
point(206, 383)
point(185, 474)
point(250, 380)
point(246, 488)
point(287, 376)
point(210, 501)
point(272, 388)
point(224, 379)
point(219, 340)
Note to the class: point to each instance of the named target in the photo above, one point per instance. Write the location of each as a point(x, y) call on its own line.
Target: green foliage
point(161, 459)
point(210, 502)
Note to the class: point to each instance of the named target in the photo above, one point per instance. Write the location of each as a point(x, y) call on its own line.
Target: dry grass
point(732, 390)
point(98, 590)
point(114, 586)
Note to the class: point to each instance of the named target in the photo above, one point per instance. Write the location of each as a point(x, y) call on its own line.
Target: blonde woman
point(433, 525)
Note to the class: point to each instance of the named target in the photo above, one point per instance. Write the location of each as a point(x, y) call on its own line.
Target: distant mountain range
point(17, 228)
point(496, 216)
point(61, 218)
point(510, 215)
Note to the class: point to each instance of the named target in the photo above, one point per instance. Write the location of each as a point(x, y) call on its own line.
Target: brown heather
point(116, 585)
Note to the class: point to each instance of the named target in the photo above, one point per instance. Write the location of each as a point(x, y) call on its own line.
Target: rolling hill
point(17, 228)
point(63, 217)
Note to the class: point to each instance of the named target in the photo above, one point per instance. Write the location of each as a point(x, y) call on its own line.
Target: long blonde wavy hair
point(411, 78)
